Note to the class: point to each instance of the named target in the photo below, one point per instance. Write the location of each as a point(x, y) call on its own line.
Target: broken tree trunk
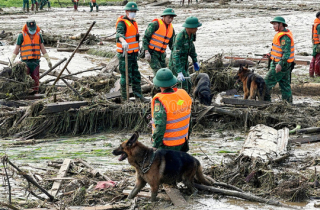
point(306, 140)
point(62, 173)
point(242, 195)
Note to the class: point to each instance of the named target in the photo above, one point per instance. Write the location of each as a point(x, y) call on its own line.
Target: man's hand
point(147, 55)
point(154, 149)
point(46, 56)
point(125, 45)
point(13, 57)
point(278, 68)
point(196, 66)
point(180, 77)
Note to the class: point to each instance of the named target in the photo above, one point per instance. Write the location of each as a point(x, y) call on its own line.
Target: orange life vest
point(315, 36)
point(131, 36)
point(30, 49)
point(276, 51)
point(160, 38)
point(178, 109)
point(93, 1)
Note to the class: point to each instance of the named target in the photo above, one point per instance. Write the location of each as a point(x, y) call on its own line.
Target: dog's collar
point(147, 168)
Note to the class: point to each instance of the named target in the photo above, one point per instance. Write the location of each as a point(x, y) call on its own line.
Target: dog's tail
point(261, 88)
point(203, 179)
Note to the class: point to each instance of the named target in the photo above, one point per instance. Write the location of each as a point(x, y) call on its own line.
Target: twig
point(9, 186)
point(206, 155)
point(222, 184)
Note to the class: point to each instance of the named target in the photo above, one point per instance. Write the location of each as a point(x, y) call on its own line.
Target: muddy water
point(96, 149)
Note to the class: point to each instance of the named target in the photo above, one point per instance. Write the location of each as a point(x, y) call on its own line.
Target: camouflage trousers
point(94, 5)
point(186, 84)
point(283, 77)
point(158, 61)
point(134, 75)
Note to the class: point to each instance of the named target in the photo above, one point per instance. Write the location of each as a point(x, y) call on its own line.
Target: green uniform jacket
point(182, 48)
point(152, 27)
point(160, 121)
point(314, 53)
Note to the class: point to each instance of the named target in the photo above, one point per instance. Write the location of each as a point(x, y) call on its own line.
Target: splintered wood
point(265, 142)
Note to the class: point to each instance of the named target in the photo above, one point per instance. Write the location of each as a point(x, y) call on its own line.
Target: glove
point(196, 66)
point(13, 57)
point(180, 77)
point(125, 45)
point(46, 56)
point(147, 56)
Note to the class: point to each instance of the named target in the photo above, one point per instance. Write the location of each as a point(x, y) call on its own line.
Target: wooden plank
point(175, 196)
point(148, 195)
point(62, 106)
point(299, 62)
point(306, 140)
point(244, 102)
point(33, 97)
point(62, 173)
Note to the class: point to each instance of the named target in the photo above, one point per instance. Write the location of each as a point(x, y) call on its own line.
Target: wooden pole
point(127, 75)
point(55, 66)
point(74, 52)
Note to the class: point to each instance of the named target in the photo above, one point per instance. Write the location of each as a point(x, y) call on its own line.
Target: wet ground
point(240, 28)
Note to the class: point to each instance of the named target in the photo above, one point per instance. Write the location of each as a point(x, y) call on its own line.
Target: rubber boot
point(32, 7)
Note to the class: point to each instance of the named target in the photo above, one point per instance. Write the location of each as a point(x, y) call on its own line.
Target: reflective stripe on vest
point(178, 110)
point(130, 36)
point(30, 49)
point(161, 38)
point(315, 36)
point(276, 51)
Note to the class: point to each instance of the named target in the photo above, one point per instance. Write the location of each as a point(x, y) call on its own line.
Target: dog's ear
point(240, 68)
point(246, 66)
point(133, 139)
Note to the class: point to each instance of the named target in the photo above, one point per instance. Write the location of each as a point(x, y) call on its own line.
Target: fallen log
point(62, 106)
point(308, 130)
point(72, 49)
point(306, 140)
point(244, 102)
point(242, 195)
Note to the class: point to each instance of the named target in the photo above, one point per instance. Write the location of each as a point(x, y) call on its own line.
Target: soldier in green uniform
point(314, 69)
point(153, 52)
point(32, 5)
point(127, 38)
point(282, 56)
point(166, 80)
point(25, 5)
point(182, 48)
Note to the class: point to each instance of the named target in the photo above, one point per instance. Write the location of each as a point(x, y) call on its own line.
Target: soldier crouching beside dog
point(30, 44)
point(282, 56)
point(315, 62)
point(171, 111)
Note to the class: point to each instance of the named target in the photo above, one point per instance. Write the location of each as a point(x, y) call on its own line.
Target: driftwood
point(242, 195)
point(62, 172)
point(306, 140)
point(244, 102)
point(30, 179)
point(175, 196)
point(93, 171)
point(62, 106)
point(308, 130)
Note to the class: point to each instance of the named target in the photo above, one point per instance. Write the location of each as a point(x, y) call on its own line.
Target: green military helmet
point(164, 78)
point(168, 11)
point(131, 6)
point(279, 19)
point(32, 26)
point(192, 22)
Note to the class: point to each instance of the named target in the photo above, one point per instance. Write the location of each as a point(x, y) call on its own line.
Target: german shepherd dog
point(253, 84)
point(202, 90)
point(158, 167)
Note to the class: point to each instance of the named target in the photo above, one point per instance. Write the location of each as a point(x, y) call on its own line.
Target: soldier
point(127, 39)
point(157, 36)
point(282, 56)
point(93, 3)
point(25, 5)
point(30, 44)
point(43, 3)
point(32, 6)
point(315, 62)
point(182, 48)
point(75, 5)
point(171, 111)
